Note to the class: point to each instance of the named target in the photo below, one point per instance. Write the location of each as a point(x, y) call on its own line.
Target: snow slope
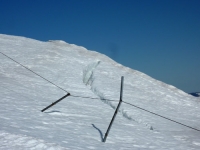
point(80, 123)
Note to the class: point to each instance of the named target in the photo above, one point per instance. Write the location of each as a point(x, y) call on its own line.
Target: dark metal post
point(68, 94)
point(113, 118)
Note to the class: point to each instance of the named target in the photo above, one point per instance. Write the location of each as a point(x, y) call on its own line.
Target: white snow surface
point(80, 123)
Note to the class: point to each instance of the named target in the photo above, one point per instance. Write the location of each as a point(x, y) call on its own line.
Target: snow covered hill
point(80, 123)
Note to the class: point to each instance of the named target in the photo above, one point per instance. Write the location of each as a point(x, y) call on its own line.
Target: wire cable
point(34, 72)
point(162, 116)
point(50, 81)
point(94, 98)
point(98, 98)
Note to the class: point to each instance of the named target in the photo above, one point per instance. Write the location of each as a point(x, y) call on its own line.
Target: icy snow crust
point(79, 123)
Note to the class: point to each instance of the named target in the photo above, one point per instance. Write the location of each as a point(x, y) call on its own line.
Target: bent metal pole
point(113, 118)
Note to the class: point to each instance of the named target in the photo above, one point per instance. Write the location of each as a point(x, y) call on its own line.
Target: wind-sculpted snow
point(80, 123)
point(88, 77)
point(88, 72)
point(122, 111)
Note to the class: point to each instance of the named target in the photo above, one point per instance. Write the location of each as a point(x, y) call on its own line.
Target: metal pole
point(113, 118)
point(68, 94)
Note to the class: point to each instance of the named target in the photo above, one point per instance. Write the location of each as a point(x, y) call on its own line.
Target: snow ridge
point(123, 112)
point(88, 71)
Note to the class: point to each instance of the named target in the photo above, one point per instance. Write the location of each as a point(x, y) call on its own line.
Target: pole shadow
point(101, 135)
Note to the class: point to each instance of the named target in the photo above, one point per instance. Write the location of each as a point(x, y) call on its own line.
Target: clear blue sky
point(158, 37)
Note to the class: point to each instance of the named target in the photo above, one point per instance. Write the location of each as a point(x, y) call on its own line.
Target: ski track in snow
point(79, 123)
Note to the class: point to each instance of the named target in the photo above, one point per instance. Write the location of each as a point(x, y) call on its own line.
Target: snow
point(80, 123)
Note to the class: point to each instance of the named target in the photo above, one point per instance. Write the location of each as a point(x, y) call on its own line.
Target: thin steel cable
point(98, 98)
point(50, 81)
point(94, 98)
point(34, 72)
point(162, 116)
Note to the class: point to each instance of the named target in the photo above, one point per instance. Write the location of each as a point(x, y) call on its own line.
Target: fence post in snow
point(113, 118)
point(68, 94)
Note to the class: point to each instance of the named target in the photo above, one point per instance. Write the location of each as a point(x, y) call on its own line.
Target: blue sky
point(158, 37)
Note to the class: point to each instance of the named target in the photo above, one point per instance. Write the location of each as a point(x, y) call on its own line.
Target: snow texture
point(80, 123)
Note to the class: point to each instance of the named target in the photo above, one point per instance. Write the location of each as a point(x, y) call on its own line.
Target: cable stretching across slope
point(98, 98)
